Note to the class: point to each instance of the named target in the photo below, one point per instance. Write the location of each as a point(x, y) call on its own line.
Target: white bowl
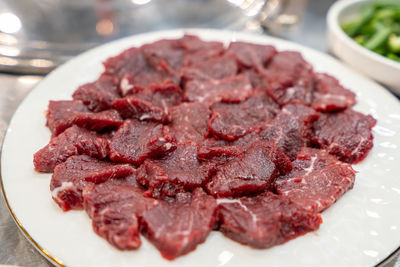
point(378, 67)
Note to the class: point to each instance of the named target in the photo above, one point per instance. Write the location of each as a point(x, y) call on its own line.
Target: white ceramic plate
point(361, 229)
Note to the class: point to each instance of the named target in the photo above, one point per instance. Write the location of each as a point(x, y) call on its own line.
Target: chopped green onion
point(366, 15)
point(377, 28)
point(378, 38)
point(359, 39)
point(393, 56)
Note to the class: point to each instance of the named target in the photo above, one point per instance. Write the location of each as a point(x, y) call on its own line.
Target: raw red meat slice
point(219, 151)
point(316, 181)
point(136, 141)
point(218, 155)
point(177, 172)
point(215, 50)
point(329, 94)
point(232, 90)
point(346, 134)
point(164, 50)
point(231, 121)
point(222, 151)
point(119, 226)
point(178, 226)
point(289, 78)
point(265, 220)
point(198, 50)
point(101, 121)
point(251, 55)
point(70, 178)
point(59, 114)
point(63, 114)
point(98, 95)
point(213, 69)
point(291, 129)
point(152, 103)
point(132, 70)
point(252, 172)
point(135, 108)
point(204, 54)
point(162, 74)
point(163, 95)
point(189, 122)
point(130, 61)
point(192, 43)
point(246, 141)
point(256, 79)
point(73, 141)
point(97, 197)
point(113, 207)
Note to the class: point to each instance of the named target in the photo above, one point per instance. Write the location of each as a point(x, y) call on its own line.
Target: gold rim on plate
point(44, 252)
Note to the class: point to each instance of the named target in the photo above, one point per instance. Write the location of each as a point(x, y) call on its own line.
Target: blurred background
point(38, 35)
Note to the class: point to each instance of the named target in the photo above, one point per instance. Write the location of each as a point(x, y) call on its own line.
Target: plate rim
point(58, 262)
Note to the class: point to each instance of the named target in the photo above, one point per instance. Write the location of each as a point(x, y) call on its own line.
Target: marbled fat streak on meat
point(317, 180)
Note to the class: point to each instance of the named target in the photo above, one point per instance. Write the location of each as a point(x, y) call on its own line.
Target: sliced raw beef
point(59, 114)
point(98, 95)
point(135, 108)
point(73, 141)
point(265, 220)
point(189, 122)
point(289, 78)
point(232, 90)
point(152, 103)
point(329, 94)
point(251, 55)
point(162, 74)
point(192, 43)
point(177, 172)
point(218, 151)
point(136, 141)
point(198, 51)
point(203, 55)
point(132, 70)
point(346, 134)
point(256, 79)
point(163, 95)
point(231, 121)
point(130, 61)
point(70, 178)
point(246, 141)
point(63, 114)
point(221, 151)
point(291, 129)
point(97, 197)
point(316, 181)
point(164, 50)
point(213, 69)
point(178, 226)
point(101, 121)
point(173, 128)
point(118, 225)
point(113, 207)
point(252, 172)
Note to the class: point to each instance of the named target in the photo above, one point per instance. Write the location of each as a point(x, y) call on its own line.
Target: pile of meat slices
point(181, 137)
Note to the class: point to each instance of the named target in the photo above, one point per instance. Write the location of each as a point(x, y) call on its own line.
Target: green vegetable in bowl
point(394, 43)
point(378, 28)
